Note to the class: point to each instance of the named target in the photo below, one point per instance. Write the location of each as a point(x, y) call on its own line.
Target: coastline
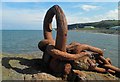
point(105, 31)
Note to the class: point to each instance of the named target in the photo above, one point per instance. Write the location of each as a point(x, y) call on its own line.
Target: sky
point(30, 15)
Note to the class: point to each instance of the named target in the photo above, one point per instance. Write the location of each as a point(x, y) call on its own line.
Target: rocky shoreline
point(31, 67)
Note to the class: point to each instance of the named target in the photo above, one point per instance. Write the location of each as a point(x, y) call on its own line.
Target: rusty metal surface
point(62, 54)
point(61, 37)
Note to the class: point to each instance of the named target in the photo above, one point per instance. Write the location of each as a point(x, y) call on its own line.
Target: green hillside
point(104, 24)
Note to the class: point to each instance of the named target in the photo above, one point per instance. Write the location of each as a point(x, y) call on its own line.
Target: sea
point(26, 41)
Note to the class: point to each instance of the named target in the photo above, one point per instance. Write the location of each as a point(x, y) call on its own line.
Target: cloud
point(88, 7)
point(13, 18)
point(110, 15)
point(25, 18)
point(33, 19)
point(29, 19)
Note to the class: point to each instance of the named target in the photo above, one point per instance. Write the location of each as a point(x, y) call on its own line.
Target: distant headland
point(104, 26)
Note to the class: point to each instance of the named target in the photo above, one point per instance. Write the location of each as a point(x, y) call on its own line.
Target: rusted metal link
point(104, 60)
point(112, 68)
point(92, 64)
point(103, 70)
point(57, 54)
point(109, 60)
point(61, 37)
point(99, 62)
point(43, 44)
point(76, 47)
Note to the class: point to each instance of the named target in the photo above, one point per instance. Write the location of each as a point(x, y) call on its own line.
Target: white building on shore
point(89, 27)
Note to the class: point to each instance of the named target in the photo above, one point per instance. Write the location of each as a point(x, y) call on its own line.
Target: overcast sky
point(30, 15)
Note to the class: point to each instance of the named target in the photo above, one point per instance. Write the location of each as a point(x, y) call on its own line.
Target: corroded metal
point(76, 47)
point(62, 58)
point(61, 37)
point(57, 54)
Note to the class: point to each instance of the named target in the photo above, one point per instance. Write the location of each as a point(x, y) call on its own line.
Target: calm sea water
point(22, 41)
